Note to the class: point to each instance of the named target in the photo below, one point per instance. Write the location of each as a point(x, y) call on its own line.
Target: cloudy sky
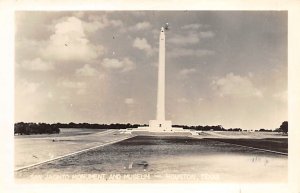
point(223, 67)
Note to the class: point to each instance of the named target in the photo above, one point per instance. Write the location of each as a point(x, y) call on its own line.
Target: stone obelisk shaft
point(160, 109)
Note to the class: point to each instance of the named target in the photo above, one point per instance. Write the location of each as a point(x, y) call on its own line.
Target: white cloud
point(72, 84)
point(190, 38)
point(37, 64)
point(95, 23)
point(184, 52)
point(142, 44)
point(187, 71)
point(28, 48)
point(207, 34)
point(123, 65)
point(116, 23)
point(235, 86)
point(92, 27)
point(140, 26)
point(86, 70)
point(25, 87)
point(193, 26)
point(69, 43)
point(80, 87)
point(129, 101)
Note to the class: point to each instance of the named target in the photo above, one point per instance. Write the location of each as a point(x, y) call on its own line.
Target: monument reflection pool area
point(172, 159)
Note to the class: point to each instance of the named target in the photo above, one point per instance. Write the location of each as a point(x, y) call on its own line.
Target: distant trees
point(35, 128)
point(234, 129)
point(283, 127)
point(41, 128)
point(202, 128)
point(265, 130)
point(22, 128)
point(97, 126)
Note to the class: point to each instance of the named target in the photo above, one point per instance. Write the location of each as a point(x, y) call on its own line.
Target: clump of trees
point(22, 128)
point(97, 126)
point(35, 128)
point(265, 130)
point(283, 127)
point(203, 128)
point(234, 129)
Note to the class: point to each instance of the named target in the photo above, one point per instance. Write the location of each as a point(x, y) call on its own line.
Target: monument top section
point(166, 27)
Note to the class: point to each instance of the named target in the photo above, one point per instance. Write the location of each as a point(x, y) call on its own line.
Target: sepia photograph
point(151, 96)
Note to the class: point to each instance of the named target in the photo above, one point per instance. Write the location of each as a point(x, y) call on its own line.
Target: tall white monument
point(161, 124)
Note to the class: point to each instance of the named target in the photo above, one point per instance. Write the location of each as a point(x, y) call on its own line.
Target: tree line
point(206, 128)
point(35, 128)
point(283, 127)
point(22, 128)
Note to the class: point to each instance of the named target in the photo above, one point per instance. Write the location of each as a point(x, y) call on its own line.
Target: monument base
point(162, 126)
point(157, 127)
